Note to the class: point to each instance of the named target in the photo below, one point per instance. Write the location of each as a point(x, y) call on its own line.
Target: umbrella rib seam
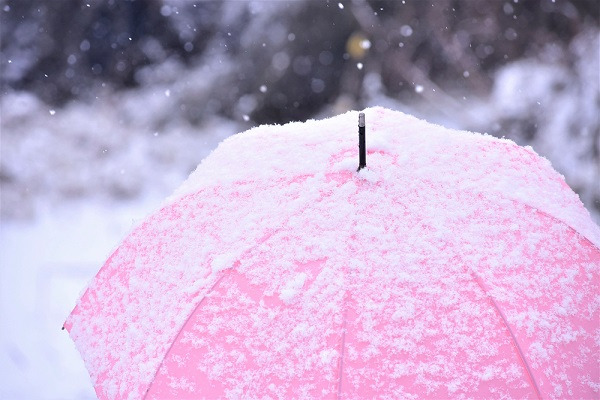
point(549, 215)
point(179, 332)
point(343, 345)
point(584, 236)
point(587, 236)
point(512, 335)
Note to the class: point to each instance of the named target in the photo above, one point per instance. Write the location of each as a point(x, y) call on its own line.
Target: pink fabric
point(455, 266)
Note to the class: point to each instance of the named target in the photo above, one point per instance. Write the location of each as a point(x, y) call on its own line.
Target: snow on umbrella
point(454, 265)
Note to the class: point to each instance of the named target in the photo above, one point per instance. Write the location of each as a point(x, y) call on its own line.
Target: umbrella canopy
point(454, 265)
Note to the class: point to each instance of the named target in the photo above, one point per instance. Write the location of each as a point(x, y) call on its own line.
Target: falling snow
point(96, 130)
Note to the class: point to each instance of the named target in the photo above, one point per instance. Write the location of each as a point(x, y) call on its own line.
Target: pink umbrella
point(455, 265)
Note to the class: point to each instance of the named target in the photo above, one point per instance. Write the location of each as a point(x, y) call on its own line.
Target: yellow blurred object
point(357, 45)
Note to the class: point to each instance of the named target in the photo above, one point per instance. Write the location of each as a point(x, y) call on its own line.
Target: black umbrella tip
point(362, 145)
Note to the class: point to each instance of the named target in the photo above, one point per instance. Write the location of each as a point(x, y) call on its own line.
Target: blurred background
point(108, 105)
